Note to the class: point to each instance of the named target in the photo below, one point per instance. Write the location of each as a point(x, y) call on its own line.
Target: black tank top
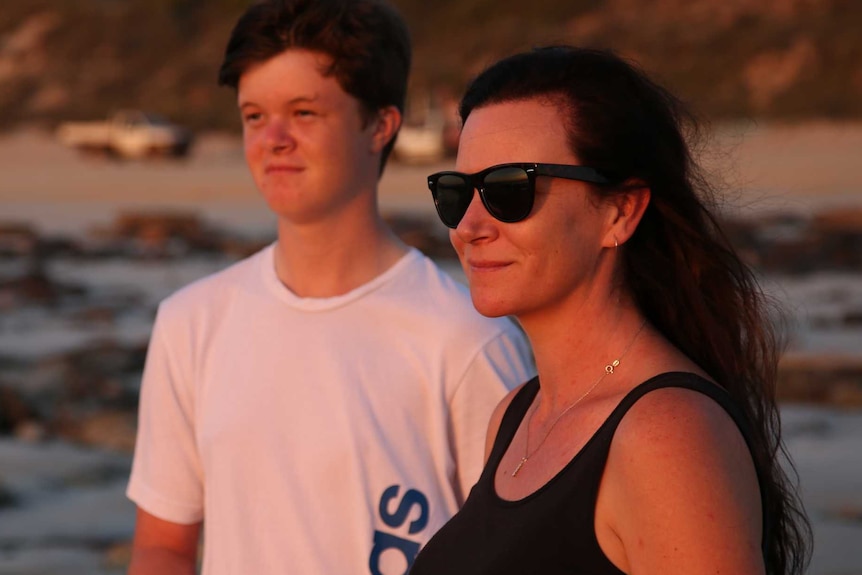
point(551, 531)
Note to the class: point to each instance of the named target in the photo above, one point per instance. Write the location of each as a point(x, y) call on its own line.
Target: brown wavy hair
point(678, 265)
point(367, 40)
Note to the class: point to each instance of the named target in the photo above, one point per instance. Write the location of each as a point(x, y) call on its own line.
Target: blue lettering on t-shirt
point(384, 541)
point(411, 498)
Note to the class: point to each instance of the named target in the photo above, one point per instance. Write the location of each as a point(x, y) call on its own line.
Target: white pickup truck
point(127, 134)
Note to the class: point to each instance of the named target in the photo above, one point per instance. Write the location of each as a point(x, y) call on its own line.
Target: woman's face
point(548, 262)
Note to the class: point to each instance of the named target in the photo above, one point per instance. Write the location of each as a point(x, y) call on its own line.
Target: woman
point(648, 443)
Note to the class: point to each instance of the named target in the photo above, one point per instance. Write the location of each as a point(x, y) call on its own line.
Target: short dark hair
point(367, 40)
point(678, 266)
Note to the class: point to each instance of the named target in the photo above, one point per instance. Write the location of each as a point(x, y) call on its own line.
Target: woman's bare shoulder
point(680, 485)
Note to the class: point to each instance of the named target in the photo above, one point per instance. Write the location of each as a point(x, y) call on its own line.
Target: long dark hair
point(679, 267)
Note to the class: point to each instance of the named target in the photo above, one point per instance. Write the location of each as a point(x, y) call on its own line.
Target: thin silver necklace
point(609, 369)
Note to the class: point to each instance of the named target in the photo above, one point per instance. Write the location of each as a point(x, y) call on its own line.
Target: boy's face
point(308, 149)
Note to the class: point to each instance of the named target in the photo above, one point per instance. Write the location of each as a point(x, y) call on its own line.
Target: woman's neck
point(573, 347)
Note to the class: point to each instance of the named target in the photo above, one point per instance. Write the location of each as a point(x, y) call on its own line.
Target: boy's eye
point(252, 116)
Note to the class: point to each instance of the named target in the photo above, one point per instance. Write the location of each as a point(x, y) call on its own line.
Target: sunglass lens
point(453, 195)
point(508, 194)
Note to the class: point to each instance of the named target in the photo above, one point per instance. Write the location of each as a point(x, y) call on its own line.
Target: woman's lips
point(486, 265)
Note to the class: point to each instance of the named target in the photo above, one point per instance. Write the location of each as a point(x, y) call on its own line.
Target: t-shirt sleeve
point(166, 478)
point(502, 364)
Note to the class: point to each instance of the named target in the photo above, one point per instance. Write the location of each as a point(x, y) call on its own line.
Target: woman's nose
point(477, 223)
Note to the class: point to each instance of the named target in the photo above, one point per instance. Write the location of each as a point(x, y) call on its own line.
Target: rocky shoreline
point(75, 315)
point(86, 392)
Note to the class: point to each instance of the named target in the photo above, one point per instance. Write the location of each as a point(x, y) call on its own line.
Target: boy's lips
point(282, 168)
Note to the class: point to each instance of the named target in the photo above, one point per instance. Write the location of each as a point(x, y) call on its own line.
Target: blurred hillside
point(776, 59)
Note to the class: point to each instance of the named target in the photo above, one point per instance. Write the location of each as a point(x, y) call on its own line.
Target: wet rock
point(89, 396)
point(160, 234)
point(852, 318)
point(20, 240)
point(17, 240)
point(835, 381)
point(848, 512)
point(796, 244)
point(118, 555)
point(14, 410)
point(7, 498)
point(109, 429)
point(68, 557)
point(35, 287)
point(239, 248)
point(31, 431)
point(846, 392)
point(106, 376)
point(848, 220)
point(92, 315)
point(424, 234)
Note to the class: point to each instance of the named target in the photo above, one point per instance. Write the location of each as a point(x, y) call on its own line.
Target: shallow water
point(73, 505)
point(71, 502)
point(71, 511)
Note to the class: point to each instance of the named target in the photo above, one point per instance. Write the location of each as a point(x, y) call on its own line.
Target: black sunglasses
point(507, 190)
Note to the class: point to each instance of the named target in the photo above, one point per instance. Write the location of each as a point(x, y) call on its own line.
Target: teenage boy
point(320, 407)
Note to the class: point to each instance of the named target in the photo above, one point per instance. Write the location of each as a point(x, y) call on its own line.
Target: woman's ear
point(385, 126)
point(629, 206)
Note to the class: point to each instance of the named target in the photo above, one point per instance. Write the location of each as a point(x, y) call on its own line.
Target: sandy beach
point(764, 167)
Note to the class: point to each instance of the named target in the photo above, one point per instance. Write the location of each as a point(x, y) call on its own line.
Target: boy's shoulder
point(445, 301)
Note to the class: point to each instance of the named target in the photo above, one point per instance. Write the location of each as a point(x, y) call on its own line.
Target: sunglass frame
point(532, 169)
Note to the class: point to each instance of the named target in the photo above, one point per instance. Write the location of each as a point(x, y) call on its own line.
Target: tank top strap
point(511, 420)
point(683, 380)
point(597, 449)
point(600, 442)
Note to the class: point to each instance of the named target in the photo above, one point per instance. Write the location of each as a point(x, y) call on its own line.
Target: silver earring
point(616, 244)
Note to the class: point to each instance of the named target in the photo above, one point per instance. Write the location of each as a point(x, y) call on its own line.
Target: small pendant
point(520, 465)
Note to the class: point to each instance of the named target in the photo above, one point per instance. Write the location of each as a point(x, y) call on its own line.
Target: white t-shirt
point(318, 436)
